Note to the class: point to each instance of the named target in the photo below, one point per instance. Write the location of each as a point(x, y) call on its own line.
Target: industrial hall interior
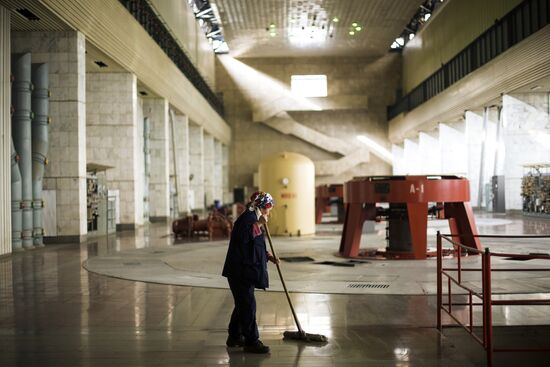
point(372, 178)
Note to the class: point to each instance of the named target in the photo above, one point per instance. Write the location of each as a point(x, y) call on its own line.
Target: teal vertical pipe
point(16, 213)
point(40, 106)
point(21, 132)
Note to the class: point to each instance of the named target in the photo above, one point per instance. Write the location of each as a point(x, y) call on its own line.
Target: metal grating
point(368, 285)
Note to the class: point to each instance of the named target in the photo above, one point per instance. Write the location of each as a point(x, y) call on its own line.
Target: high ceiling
point(293, 28)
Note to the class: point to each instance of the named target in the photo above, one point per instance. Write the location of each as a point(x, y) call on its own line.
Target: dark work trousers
point(243, 318)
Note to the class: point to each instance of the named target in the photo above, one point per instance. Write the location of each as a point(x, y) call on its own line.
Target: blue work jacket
point(246, 258)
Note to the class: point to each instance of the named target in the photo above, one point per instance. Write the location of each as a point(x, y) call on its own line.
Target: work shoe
point(232, 342)
point(258, 348)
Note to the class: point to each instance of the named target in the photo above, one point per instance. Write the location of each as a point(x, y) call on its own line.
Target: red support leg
point(418, 223)
point(319, 208)
point(351, 233)
point(461, 221)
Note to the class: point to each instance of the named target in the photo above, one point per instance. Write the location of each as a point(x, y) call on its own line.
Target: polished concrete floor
point(55, 312)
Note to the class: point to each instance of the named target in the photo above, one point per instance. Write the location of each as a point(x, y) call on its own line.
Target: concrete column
point(453, 149)
point(159, 185)
point(412, 157)
point(196, 165)
point(398, 157)
point(209, 169)
point(66, 172)
point(218, 171)
point(5, 133)
point(181, 139)
point(227, 193)
point(481, 143)
point(429, 153)
point(526, 136)
point(113, 136)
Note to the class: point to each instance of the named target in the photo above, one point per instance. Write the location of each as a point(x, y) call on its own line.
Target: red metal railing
point(483, 298)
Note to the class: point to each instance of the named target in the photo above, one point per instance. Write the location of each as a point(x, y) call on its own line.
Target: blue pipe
point(21, 132)
point(40, 105)
point(16, 213)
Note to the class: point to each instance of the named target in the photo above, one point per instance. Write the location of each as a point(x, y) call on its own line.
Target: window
point(309, 85)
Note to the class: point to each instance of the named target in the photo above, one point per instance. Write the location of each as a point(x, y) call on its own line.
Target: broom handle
point(283, 281)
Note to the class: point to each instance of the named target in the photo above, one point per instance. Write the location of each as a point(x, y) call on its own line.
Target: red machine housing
point(411, 195)
point(323, 195)
point(216, 225)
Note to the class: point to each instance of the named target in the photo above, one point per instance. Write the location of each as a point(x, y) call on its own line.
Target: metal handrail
point(487, 302)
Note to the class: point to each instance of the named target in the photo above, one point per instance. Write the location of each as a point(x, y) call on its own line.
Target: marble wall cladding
point(181, 131)
point(66, 172)
point(196, 165)
point(113, 137)
point(349, 79)
point(139, 164)
point(159, 184)
point(209, 169)
point(526, 139)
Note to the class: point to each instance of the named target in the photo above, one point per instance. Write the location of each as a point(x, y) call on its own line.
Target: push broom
point(300, 334)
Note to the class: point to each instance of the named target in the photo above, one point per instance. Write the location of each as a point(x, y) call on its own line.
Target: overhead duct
point(21, 132)
point(40, 106)
point(16, 213)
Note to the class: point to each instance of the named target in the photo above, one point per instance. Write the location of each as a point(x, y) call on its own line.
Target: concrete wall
point(526, 136)
point(349, 79)
point(180, 19)
point(66, 171)
point(445, 35)
point(5, 133)
point(159, 184)
point(115, 138)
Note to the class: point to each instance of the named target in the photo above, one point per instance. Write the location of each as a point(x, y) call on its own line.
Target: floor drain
point(335, 263)
point(297, 259)
point(368, 285)
point(131, 263)
point(526, 257)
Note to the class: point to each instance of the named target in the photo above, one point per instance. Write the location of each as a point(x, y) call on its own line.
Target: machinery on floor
point(325, 197)
point(216, 225)
point(535, 190)
point(407, 214)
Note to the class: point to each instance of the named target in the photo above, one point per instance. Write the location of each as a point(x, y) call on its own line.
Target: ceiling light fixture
point(351, 33)
point(354, 24)
point(335, 20)
point(358, 28)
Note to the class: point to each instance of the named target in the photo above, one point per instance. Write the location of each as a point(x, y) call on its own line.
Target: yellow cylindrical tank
point(290, 179)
